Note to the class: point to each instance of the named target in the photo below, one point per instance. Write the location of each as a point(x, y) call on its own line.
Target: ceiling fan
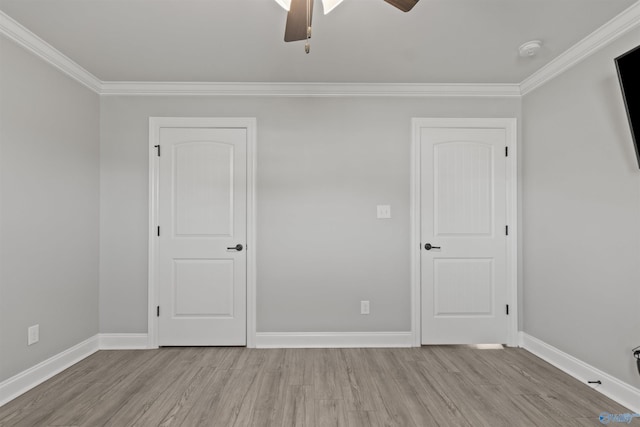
point(300, 13)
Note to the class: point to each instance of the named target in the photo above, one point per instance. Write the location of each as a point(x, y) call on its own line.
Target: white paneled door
point(202, 227)
point(463, 235)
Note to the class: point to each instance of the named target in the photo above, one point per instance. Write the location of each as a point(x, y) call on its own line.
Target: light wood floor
point(428, 386)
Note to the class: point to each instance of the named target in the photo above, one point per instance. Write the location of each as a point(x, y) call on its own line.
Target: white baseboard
point(611, 387)
point(26, 380)
point(123, 341)
point(333, 339)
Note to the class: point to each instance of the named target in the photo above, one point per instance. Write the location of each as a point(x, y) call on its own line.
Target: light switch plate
point(364, 307)
point(33, 334)
point(384, 211)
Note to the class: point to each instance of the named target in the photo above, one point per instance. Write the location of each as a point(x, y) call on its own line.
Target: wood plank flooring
point(428, 386)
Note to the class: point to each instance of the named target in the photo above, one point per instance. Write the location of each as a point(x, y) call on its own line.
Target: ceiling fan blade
point(403, 5)
point(296, 28)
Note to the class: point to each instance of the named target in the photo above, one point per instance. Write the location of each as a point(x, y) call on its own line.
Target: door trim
point(155, 123)
point(510, 126)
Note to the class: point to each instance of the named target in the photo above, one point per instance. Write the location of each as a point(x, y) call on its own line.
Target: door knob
point(429, 247)
point(237, 247)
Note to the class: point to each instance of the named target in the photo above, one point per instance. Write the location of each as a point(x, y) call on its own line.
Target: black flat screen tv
point(628, 66)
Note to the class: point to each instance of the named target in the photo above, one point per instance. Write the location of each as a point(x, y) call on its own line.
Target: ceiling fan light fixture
point(329, 5)
point(300, 13)
point(286, 4)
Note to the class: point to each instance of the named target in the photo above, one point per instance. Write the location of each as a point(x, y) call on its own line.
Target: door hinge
point(506, 230)
point(506, 151)
point(158, 231)
point(158, 311)
point(158, 148)
point(507, 311)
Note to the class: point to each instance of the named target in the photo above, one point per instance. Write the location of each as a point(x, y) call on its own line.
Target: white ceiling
point(369, 41)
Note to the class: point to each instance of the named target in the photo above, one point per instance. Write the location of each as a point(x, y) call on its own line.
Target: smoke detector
point(530, 48)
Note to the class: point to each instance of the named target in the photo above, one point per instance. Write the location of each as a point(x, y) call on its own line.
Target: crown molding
point(612, 30)
point(310, 89)
point(616, 27)
point(14, 31)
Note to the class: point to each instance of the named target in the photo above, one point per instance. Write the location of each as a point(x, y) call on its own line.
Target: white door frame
point(510, 126)
point(155, 123)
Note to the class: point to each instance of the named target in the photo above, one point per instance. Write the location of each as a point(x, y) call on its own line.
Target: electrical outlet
point(364, 307)
point(384, 211)
point(33, 334)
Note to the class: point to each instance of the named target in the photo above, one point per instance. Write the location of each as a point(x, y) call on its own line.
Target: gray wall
point(49, 207)
point(582, 216)
point(323, 166)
